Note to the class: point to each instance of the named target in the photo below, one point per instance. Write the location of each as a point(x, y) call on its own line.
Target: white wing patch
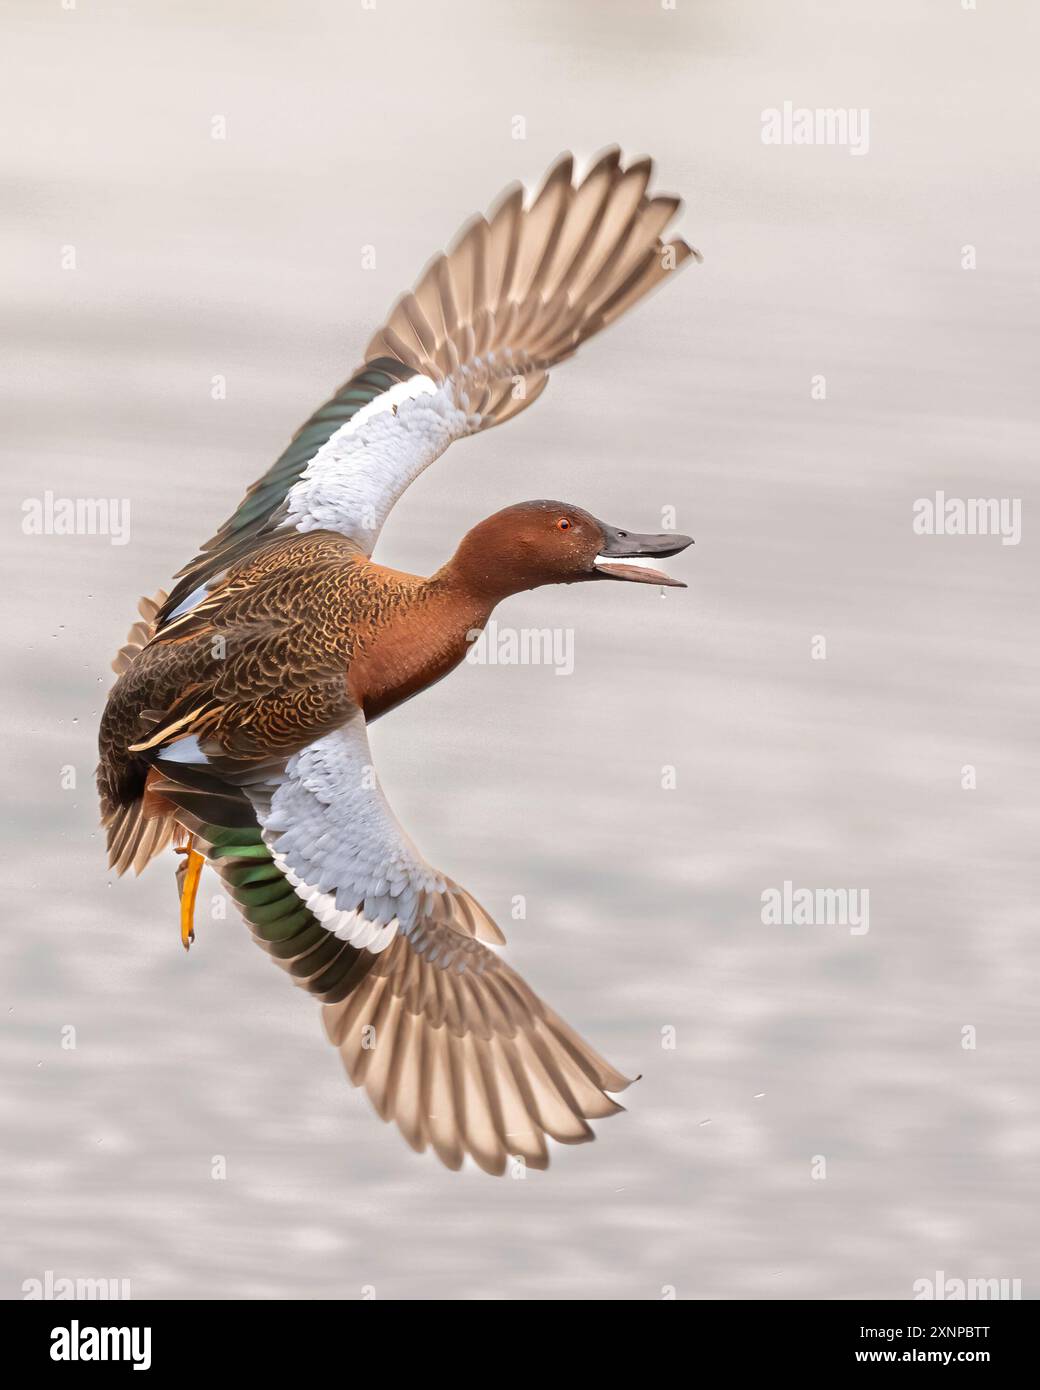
point(333, 834)
point(354, 479)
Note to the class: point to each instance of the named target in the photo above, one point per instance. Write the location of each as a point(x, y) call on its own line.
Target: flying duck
point(237, 726)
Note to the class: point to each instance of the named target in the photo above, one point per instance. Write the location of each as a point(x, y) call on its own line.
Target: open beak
point(629, 545)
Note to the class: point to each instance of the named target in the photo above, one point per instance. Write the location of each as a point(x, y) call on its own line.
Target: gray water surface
point(241, 258)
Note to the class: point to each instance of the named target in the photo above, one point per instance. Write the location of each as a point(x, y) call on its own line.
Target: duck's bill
point(636, 551)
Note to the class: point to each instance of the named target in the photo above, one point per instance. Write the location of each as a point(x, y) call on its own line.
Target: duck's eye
point(563, 524)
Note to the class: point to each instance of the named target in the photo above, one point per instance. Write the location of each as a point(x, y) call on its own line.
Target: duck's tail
point(137, 823)
point(136, 834)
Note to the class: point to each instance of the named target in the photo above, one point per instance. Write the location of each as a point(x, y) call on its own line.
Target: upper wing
point(471, 346)
point(446, 1039)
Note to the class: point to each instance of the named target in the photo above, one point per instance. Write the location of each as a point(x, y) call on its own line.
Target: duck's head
point(534, 543)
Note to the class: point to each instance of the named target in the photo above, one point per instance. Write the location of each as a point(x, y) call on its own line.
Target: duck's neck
point(418, 635)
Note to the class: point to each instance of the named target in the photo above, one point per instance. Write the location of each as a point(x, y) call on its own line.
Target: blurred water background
point(350, 126)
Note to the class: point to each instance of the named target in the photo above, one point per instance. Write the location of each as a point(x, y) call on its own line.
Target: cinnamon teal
point(237, 726)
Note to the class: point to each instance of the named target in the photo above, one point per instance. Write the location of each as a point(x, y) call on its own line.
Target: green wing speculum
point(227, 832)
point(279, 920)
point(249, 527)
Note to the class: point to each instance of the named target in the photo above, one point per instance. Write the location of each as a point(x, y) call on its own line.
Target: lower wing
point(448, 1041)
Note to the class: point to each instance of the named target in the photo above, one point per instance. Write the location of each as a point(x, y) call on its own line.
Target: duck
point(236, 730)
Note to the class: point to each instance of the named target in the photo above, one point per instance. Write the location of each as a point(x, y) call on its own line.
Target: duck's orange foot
point(189, 870)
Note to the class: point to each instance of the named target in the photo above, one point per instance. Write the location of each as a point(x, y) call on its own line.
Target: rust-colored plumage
point(238, 715)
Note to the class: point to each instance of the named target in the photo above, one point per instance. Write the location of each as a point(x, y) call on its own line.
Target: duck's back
point(259, 662)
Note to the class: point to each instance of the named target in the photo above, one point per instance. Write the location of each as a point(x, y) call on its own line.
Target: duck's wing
point(448, 1042)
point(471, 346)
